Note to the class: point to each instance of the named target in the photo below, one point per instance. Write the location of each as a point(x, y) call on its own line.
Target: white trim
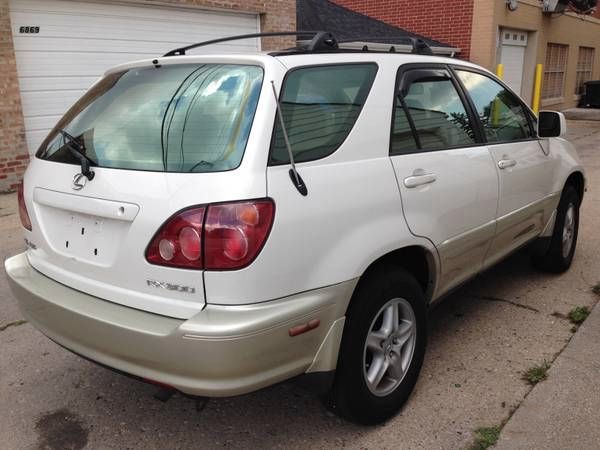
point(259, 40)
point(168, 5)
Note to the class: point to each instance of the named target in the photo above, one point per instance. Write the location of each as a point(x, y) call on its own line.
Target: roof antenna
point(294, 175)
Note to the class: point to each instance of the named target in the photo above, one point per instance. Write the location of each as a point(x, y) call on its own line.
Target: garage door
point(514, 43)
point(62, 47)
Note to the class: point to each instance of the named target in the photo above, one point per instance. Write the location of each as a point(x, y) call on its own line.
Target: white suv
point(179, 231)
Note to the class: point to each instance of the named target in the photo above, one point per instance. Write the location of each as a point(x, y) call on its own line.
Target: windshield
point(176, 118)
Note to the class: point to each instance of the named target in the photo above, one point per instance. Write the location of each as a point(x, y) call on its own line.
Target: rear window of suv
point(175, 118)
point(320, 106)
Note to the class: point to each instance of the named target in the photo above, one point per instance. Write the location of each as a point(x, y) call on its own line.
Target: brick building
point(449, 21)
point(356, 30)
point(488, 32)
point(51, 51)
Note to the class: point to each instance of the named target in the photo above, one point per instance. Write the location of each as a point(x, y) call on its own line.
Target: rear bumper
point(221, 351)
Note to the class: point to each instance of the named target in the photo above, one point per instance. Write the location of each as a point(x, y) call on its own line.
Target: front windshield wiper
point(78, 151)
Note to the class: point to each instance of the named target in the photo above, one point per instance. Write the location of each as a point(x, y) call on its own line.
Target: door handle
point(506, 163)
point(419, 180)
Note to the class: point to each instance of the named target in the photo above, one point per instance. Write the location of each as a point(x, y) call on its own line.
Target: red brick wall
point(449, 21)
point(13, 149)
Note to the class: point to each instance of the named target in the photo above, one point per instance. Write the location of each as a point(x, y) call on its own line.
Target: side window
point(430, 116)
point(501, 113)
point(320, 106)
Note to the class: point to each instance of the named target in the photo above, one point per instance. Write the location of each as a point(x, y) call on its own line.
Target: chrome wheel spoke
point(377, 370)
point(375, 341)
point(405, 332)
point(568, 232)
point(390, 319)
point(395, 369)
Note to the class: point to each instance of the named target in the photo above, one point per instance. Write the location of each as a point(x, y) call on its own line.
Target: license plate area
point(85, 229)
point(92, 239)
point(84, 238)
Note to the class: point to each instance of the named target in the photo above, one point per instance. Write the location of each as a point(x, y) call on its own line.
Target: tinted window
point(438, 114)
point(176, 118)
point(320, 106)
point(502, 115)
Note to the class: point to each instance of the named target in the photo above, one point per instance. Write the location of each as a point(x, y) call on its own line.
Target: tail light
point(23, 214)
point(223, 236)
point(178, 243)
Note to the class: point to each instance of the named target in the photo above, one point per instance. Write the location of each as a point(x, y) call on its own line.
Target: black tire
point(554, 259)
point(351, 397)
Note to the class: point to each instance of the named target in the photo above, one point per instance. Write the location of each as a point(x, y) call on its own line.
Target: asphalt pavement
point(482, 339)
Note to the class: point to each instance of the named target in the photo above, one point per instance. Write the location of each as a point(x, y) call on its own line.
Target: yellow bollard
point(500, 71)
point(496, 104)
point(537, 88)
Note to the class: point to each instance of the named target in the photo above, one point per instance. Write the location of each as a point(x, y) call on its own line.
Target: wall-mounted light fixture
point(512, 5)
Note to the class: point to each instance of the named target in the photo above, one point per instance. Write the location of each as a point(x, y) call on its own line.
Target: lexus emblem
point(79, 181)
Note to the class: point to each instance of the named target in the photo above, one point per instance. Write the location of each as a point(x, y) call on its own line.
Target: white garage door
point(514, 43)
point(62, 47)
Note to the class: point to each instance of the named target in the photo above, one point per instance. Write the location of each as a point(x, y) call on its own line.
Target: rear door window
point(173, 118)
point(320, 106)
point(501, 113)
point(430, 115)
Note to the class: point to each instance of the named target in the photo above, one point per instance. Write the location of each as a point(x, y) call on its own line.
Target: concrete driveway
point(482, 339)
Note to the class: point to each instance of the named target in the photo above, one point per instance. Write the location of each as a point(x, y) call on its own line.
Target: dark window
point(501, 112)
point(403, 139)
point(176, 118)
point(439, 117)
point(320, 106)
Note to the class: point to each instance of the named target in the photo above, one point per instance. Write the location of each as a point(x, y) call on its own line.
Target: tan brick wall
point(569, 29)
point(483, 40)
point(13, 149)
point(275, 15)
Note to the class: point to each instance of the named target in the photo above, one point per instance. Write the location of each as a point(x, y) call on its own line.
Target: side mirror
point(552, 124)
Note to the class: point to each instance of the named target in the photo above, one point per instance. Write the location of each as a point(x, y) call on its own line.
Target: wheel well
point(576, 180)
point(416, 260)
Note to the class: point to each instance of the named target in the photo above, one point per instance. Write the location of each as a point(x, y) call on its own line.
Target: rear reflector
point(224, 236)
point(23, 214)
point(301, 329)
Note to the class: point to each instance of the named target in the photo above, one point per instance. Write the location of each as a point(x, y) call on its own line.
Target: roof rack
point(321, 41)
point(418, 45)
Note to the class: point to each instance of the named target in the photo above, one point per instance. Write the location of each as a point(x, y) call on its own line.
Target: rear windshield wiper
point(201, 164)
point(78, 151)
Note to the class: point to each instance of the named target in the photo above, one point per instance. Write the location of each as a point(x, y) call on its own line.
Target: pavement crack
point(504, 300)
point(16, 323)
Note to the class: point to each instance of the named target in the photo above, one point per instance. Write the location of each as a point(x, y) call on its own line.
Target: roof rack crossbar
point(419, 46)
point(321, 40)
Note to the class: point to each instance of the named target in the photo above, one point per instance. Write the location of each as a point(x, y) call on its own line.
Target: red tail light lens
point(178, 243)
point(23, 214)
point(235, 233)
point(225, 236)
